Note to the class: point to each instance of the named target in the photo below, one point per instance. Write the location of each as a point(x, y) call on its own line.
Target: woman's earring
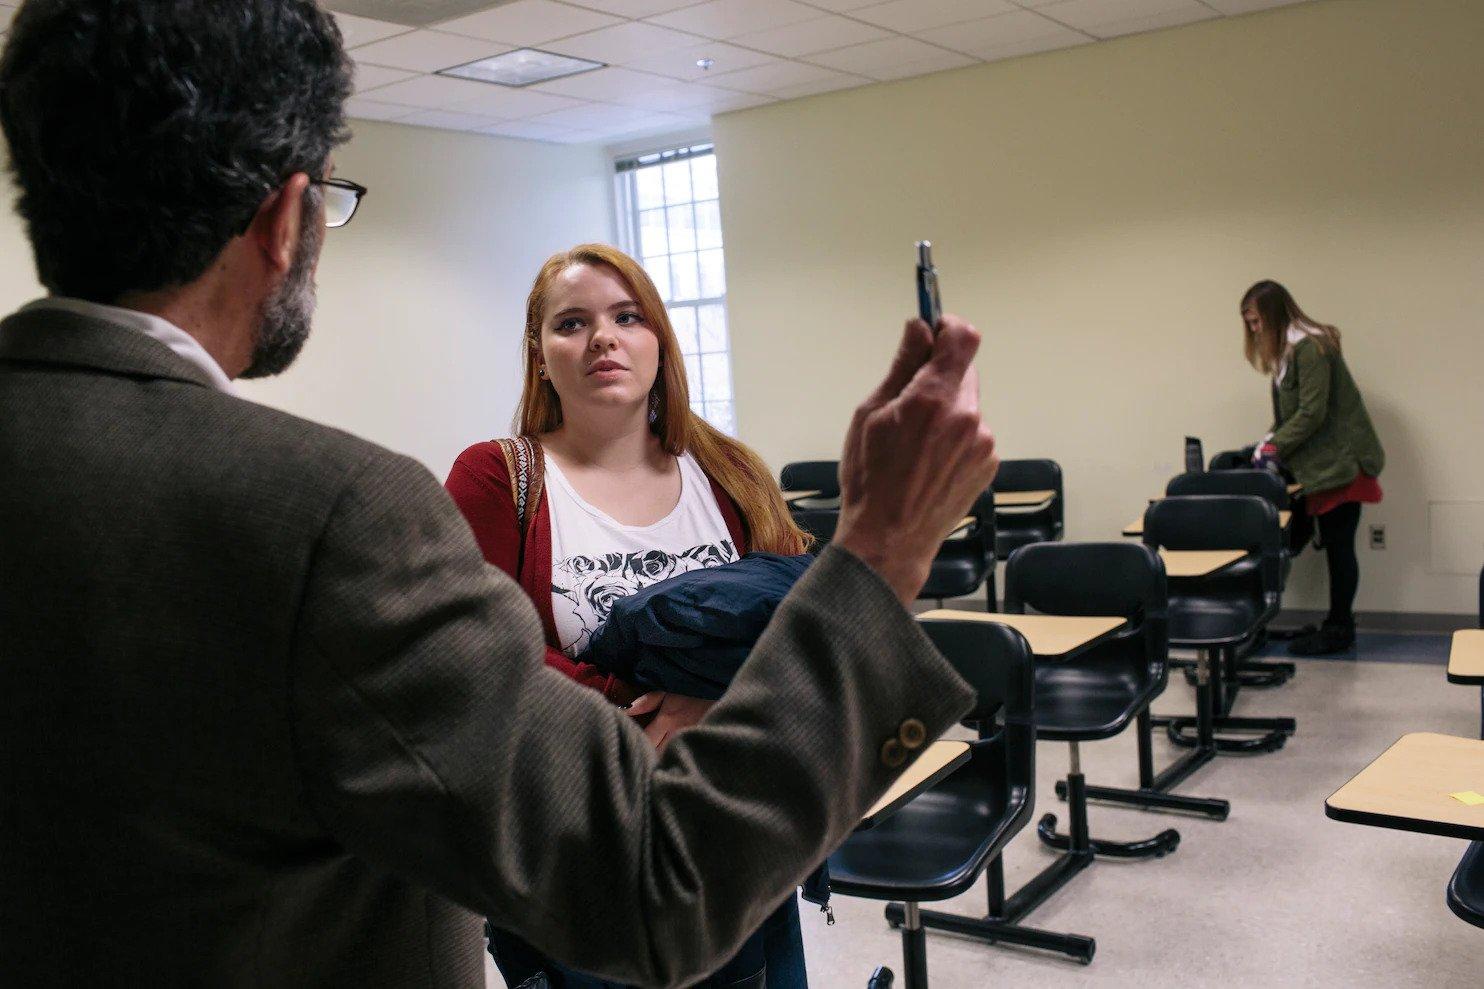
point(542, 372)
point(654, 406)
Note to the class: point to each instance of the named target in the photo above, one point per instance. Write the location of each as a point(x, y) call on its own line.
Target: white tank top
point(596, 560)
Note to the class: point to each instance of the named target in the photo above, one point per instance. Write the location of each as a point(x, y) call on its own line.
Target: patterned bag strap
point(527, 466)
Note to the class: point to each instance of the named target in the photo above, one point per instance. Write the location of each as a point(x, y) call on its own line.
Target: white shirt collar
point(172, 336)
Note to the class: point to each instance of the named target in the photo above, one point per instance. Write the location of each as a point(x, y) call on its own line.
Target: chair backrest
point(997, 662)
point(812, 475)
point(1245, 522)
point(819, 523)
point(1033, 475)
point(1262, 483)
point(1122, 579)
point(1231, 460)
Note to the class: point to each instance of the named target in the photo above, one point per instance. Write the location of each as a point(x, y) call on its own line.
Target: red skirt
point(1364, 489)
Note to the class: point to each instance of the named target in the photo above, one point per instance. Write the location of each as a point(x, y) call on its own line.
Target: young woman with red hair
point(611, 484)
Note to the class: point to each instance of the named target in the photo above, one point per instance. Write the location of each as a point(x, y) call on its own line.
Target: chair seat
point(1199, 621)
point(1466, 888)
point(957, 570)
point(936, 846)
point(1079, 703)
point(1008, 540)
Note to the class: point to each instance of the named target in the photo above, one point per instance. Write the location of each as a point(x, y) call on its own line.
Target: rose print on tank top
point(588, 586)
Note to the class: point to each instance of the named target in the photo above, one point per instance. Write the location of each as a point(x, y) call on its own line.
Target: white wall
point(422, 297)
point(1098, 213)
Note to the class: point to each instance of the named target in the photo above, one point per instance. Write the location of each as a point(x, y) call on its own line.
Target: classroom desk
point(1136, 527)
point(1050, 636)
point(963, 527)
point(932, 767)
point(1029, 501)
point(789, 497)
point(1466, 663)
point(1409, 787)
point(1198, 562)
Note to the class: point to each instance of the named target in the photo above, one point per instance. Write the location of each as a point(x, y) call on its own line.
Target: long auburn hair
point(740, 472)
point(1276, 311)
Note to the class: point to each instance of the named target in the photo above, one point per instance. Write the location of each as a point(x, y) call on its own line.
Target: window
point(669, 216)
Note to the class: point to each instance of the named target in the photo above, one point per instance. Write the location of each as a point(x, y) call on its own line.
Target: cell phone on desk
point(929, 304)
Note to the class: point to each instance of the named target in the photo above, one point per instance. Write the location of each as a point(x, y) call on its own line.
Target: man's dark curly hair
point(144, 134)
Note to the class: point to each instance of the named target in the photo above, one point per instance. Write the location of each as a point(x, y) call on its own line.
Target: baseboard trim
point(1437, 622)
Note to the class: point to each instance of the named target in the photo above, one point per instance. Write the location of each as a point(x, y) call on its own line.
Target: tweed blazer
point(267, 718)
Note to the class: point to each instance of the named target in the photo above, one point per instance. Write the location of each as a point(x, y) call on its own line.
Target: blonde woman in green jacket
point(1323, 435)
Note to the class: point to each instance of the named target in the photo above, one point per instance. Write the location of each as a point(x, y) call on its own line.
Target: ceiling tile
point(360, 109)
point(624, 43)
point(999, 37)
point(529, 22)
point(941, 62)
point(821, 34)
point(527, 130)
point(605, 84)
point(740, 101)
point(768, 79)
point(427, 51)
point(513, 104)
point(597, 117)
point(679, 97)
point(431, 92)
point(914, 16)
point(369, 77)
point(821, 86)
point(843, 6)
point(414, 13)
point(1155, 22)
point(354, 30)
point(448, 120)
point(730, 18)
point(1085, 15)
point(1248, 6)
point(681, 62)
point(884, 55)
point(633, 8)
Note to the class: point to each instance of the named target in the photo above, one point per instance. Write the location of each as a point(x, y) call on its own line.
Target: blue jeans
point(778, 944)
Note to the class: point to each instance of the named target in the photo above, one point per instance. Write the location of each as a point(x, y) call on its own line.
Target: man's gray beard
point(284, 323)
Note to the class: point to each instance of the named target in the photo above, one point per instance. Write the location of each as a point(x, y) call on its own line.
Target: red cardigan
point(480, 485)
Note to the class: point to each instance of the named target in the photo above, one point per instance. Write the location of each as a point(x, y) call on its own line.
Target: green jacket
point(1323, 433)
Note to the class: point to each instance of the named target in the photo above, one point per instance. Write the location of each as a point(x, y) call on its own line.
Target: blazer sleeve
point(1312, 365)
point(479, 484)
point(435, 744)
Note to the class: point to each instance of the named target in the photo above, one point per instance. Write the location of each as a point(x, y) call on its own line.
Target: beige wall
point(422, 298)
point(1098, 212)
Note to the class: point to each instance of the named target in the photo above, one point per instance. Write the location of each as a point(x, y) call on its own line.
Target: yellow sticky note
point(1468, 797)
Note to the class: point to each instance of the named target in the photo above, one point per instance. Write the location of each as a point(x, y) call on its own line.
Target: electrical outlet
point(1378, 536)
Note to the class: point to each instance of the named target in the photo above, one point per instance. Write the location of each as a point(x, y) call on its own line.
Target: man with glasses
point(265, 715)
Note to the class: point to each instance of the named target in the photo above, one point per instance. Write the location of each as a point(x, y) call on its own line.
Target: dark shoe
point(1289, 634)
point(1329, 640)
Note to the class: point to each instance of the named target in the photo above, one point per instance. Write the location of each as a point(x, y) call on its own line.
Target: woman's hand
point(671, 713)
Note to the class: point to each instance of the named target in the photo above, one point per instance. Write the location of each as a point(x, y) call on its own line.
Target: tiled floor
point(1277, 895)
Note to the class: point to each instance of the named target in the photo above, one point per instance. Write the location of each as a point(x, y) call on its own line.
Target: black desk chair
point(1217, 613)
point(1466, 888)
point(1231, 460)
point(813, 475)
point(1045, 525)
point(1094, 694)
point(1262, 484)
point(966, 562)
point(936, 846)
point(819, 523)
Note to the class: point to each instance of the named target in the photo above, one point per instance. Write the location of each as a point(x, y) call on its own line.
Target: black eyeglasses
point(342, 199)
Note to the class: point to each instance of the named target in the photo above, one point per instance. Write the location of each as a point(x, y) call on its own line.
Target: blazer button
point(912, 733)
point(893, 753)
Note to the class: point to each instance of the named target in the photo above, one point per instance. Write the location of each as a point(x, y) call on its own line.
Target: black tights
point(1337, 529)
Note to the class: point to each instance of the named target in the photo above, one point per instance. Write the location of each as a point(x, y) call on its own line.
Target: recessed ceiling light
point(522, 67)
